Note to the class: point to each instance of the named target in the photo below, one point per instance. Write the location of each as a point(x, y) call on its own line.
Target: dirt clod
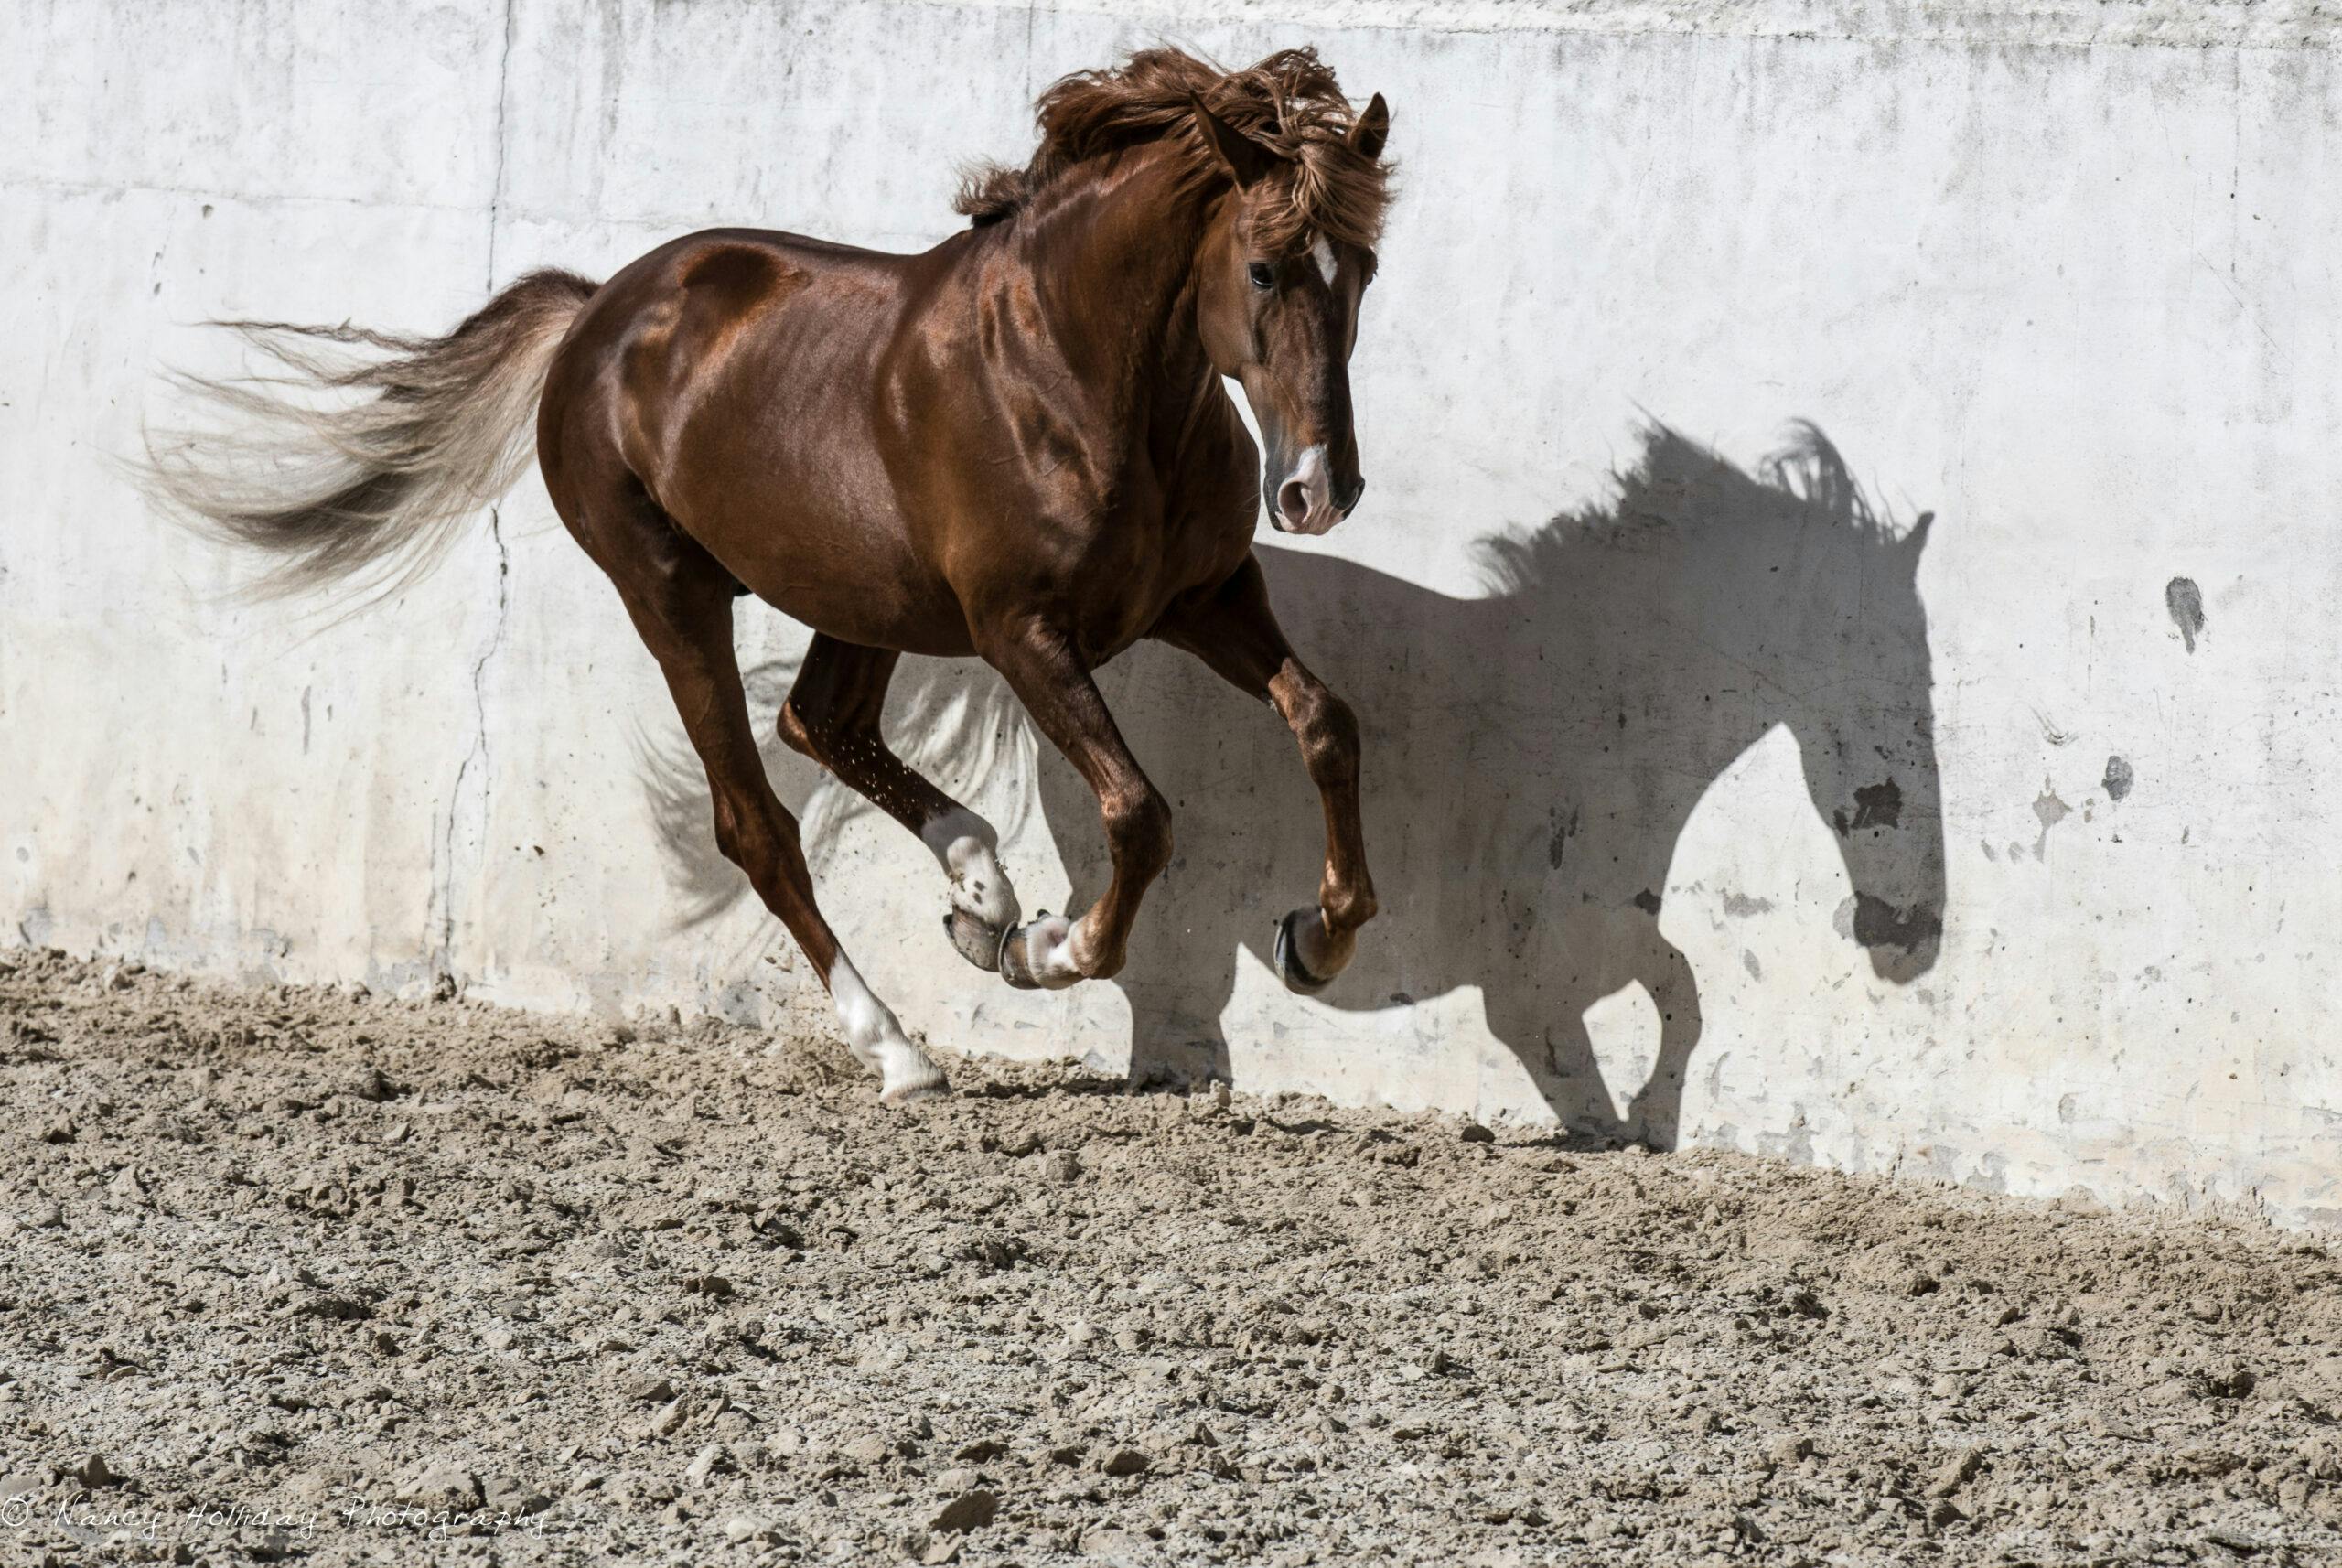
point(971, 1509)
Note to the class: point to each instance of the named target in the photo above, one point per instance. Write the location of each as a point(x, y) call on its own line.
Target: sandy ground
point(300, 1274)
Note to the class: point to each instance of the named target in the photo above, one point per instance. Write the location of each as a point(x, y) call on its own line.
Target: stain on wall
point(1875, 806)
point(2050, 810)
point(1879, 924)
point(2185, 600)
point(1557, 845)
point(2119, 779)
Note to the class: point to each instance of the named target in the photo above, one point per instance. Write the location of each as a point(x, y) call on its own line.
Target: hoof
point(1035, 957)
point(932, 1087)
point(1287, 953)
point(904, 1075)
point(974, 941)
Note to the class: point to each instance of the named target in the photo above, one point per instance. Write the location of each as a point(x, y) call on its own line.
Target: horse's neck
point(1114, 264)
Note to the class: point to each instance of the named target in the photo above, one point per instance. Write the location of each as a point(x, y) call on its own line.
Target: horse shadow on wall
point(1531, 758)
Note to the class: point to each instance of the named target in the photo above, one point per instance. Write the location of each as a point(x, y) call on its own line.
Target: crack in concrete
point(477, 754)
point(441, 949)
point(503, 145)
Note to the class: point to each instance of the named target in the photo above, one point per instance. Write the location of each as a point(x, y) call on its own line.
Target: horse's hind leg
point(681, 601)
point(832, 716)
point(1233, 630)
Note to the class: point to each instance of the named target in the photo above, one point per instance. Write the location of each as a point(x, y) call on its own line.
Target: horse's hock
point(1836, 629)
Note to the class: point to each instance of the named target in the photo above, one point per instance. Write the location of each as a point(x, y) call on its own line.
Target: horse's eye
point(1263, 274)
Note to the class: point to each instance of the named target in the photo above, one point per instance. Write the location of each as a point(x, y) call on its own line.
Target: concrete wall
point(1691, 773)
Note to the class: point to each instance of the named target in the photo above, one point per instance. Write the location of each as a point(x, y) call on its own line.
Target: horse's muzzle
point(1304, 502)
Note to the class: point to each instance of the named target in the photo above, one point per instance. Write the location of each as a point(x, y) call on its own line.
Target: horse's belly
point(902, 611)
point(847, 575)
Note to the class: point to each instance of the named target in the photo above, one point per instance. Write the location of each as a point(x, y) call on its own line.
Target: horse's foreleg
point(1233, 630)
point(1057, 690)
point(832, 716)
point(683, 612)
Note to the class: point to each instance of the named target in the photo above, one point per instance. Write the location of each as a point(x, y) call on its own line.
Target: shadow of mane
point(1532, 757)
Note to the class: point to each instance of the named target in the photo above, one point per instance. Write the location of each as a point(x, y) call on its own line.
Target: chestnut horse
point(1017, 445)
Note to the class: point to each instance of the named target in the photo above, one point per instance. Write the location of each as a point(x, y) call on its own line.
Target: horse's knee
point(1138, 826)
point(1327, 731)
point(738, 838)
point(751, 839)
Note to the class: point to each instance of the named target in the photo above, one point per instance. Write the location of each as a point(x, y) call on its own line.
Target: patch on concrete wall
point(1558, 844)
point(2185, 600)
point(2118, 780)
point(1873, 922)
point(1875, 806)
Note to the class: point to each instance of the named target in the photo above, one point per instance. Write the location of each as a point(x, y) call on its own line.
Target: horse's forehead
point(1321, 251)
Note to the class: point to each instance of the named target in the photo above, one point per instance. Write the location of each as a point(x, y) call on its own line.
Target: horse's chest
point(1137, 567)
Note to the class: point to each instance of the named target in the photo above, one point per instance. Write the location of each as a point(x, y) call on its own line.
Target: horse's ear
point(1371, 130)
point(1245, 159)
point(1916, 541)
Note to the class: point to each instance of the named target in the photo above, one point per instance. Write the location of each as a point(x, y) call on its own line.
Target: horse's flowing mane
point(1289, 104)
point(1677, 481)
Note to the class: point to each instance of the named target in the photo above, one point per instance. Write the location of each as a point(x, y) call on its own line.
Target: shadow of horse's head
point(1533, 755)
point(1713, 605)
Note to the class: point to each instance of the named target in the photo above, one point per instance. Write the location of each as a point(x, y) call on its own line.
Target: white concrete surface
point(2062, 276)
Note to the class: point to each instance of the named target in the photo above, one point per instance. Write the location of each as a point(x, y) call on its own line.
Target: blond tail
point(374, 487)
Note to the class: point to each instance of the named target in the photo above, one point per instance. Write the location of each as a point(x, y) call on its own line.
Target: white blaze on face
point(1324, 255)
point(876, 1040)
point(1304, 502)
point(965, 845)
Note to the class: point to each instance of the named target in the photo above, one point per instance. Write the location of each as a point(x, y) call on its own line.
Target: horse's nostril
point(1293, 500)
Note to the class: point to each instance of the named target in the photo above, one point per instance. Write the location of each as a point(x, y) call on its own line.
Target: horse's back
point(681, 307)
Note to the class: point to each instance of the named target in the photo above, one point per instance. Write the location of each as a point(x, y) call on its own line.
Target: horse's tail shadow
point(953, 720)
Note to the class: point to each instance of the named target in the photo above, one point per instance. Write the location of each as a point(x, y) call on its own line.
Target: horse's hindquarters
point(731, 378)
